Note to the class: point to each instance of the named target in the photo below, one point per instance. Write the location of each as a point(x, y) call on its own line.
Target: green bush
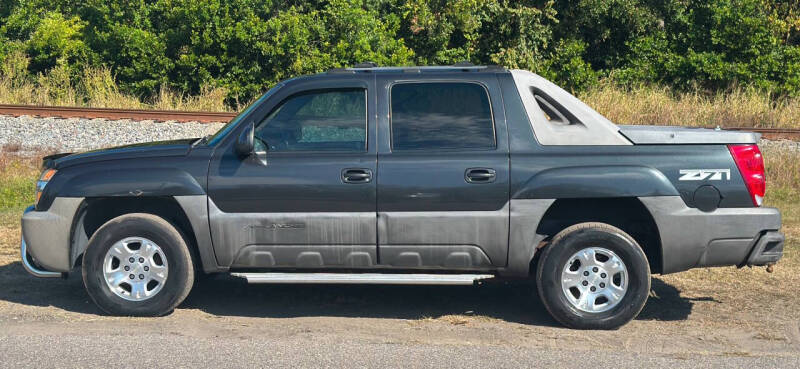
point(57, 41)
point(245, 46)
point(714, 45)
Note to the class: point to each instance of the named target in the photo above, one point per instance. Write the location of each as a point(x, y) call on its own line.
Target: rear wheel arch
point(595, 276)
point(626, 213)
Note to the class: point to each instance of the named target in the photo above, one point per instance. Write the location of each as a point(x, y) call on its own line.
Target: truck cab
point(408, 175)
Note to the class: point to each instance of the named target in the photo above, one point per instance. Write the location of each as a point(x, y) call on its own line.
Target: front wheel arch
point(96, 211)
point(149, 232)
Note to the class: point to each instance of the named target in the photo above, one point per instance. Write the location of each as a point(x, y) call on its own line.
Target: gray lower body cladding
point(468, 240)
point(48, 233)
point(767, 250)
point(322, 239)
point(523, 239)
point(55, 237)
point(691, 238)
point(196, 209)
point(444, 239)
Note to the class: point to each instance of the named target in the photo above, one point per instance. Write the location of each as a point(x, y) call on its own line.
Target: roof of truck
point(460, 67)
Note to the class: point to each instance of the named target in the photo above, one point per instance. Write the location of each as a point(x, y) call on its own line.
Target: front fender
point(144, 182)
point(596, 182)
point(127, 182)
point(119, 181)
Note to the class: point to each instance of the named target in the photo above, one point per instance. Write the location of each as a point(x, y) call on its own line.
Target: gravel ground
point(75, 134)
point(71, 350)
point(780, 145)
point(227, 323)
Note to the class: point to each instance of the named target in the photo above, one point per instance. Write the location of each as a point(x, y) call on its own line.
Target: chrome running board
point(364, 278)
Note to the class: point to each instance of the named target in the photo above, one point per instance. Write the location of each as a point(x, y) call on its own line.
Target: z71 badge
point(704, 174)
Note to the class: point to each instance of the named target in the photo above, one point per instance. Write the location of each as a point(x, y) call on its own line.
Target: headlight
point(42, 182)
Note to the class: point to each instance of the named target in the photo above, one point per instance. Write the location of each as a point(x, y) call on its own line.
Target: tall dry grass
point(738, 107)
point(96, 88)
point(782, 171)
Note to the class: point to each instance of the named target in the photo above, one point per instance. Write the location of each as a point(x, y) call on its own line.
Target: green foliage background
point(246, 46)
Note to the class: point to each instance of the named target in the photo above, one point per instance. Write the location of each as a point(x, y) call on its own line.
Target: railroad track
point(133, 114)
point(772, 133)
point(211, 117)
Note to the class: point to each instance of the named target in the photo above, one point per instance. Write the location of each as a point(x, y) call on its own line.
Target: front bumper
point(27, 260)
point(692, 238)
point(46, 235)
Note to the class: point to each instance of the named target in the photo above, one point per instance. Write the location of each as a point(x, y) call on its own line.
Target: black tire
point(566, 243)
point(178, 259)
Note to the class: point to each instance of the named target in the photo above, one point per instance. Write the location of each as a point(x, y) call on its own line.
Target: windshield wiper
point(201, 140)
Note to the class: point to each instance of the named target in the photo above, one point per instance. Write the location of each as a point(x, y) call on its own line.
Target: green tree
point(247, 45)
point(57, 40)
point(713, 44)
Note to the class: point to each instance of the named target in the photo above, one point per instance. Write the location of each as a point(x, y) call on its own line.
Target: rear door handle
point(356, 175)
point(480, 175)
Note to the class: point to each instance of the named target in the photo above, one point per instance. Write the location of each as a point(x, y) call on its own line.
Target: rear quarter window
point(441, 116)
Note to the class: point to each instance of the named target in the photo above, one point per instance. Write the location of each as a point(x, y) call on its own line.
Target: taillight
point(751, 165)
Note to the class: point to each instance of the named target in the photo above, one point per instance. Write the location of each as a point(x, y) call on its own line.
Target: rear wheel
point(593, 276)
point(137, 264)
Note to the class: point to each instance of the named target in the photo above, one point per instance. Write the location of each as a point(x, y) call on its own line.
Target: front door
point(443, 175)
point(312, 204)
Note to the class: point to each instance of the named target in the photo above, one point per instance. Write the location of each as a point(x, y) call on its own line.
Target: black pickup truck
point(408, 175)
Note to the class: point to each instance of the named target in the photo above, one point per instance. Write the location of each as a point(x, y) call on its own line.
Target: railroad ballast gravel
point(74, 134)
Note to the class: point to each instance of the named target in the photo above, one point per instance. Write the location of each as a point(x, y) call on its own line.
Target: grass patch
point(17, 180)
point(742, 107)
point(18, 176)
point(95, 88)
point(782, 169)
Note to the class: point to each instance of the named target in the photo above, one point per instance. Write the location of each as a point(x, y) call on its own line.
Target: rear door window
point(441, 116)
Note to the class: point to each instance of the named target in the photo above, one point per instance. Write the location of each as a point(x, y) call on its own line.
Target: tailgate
point(669, 135)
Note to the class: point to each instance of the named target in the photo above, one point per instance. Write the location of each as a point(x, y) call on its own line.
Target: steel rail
point(105, 113)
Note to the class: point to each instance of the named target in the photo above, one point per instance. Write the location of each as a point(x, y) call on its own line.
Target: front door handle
point(356, 175)
point(480, 175)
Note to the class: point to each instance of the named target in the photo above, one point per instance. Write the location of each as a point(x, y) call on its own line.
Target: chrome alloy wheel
point(594, 280)
point(135, 269)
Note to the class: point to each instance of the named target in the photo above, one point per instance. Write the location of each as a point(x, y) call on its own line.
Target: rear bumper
point(691, 238)
point(45, 245)
point(767, 250)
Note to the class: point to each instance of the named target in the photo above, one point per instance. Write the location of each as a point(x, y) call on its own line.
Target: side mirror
point(245, 144)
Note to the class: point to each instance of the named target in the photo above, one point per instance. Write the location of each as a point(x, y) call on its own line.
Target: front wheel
point(137, 265)
point(593, 276)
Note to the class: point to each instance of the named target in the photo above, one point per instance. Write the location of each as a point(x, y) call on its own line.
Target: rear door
point(443, 173)
point(312, 203)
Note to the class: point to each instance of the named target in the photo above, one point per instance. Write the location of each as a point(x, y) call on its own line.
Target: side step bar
point(364, 278)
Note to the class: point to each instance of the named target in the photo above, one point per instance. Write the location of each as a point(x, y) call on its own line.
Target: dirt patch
point(679, 319)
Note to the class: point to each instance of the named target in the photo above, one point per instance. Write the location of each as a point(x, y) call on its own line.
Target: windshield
point(215, 138)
